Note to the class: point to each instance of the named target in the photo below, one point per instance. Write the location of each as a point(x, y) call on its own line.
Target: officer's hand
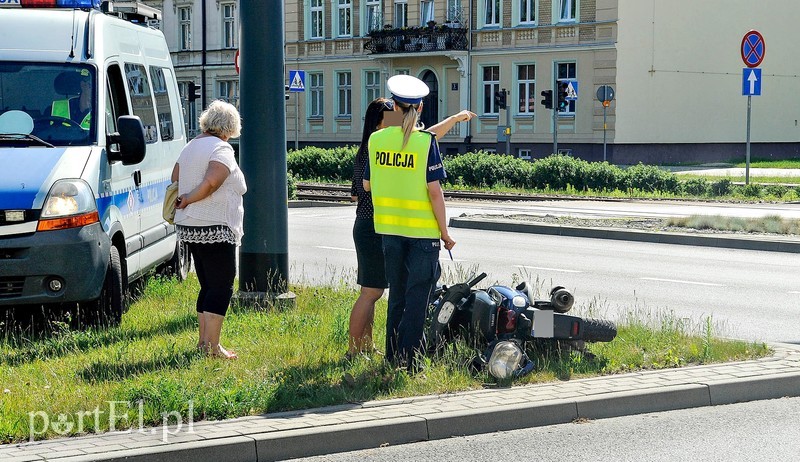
point(449, 243)
point(465, 115)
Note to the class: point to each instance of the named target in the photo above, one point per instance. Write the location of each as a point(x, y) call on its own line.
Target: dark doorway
point(430, 106)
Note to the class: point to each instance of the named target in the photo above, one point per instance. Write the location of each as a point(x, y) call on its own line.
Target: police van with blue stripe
point(90, 128)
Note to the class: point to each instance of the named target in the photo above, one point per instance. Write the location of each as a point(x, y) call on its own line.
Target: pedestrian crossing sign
point(297, 80)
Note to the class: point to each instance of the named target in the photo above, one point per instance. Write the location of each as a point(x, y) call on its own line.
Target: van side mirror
point(127, 144)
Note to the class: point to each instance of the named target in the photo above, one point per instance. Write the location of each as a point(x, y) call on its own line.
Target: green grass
point(765, 163)
point(794, 180)
point(289, 359)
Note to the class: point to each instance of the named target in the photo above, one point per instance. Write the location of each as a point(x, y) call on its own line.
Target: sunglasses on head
point(388, 105)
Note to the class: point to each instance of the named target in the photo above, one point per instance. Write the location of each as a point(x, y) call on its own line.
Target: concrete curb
point(372, 424)
point(770, 244)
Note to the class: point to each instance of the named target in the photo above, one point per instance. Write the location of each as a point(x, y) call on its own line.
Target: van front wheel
point(108, 308)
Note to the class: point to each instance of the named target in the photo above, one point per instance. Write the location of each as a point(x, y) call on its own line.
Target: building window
point(229, 91)
point(524, 153)
point(454, 11)
point(566, 71)
point(345, 11)
point(426, 11)
point(316, 19)
point(316, 95)
point(400, 13)
point(491, 12)
point(344, 86)
point(374, 20)
point(372, 84)
point(527, 11)
point(228, 25)
point(567, 10)
point(185, 21)
point(526, 84)
point(491, 84)
point(402, 72)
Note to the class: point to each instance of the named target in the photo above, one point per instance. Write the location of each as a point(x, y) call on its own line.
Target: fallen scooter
point(499, 321)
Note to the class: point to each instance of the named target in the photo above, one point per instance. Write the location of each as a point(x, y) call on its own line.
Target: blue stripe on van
point(21, 180)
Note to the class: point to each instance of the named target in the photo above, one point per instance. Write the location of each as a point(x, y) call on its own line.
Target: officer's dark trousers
point(412, 269)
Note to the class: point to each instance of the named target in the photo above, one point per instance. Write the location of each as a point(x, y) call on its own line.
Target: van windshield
point(53, 102)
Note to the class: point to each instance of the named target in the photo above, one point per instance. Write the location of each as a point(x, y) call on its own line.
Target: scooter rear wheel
point(598, 330)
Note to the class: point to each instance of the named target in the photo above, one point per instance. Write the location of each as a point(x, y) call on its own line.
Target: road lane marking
point(550, 269)
point(334, 248)
point(678, 281)
point(794, 292)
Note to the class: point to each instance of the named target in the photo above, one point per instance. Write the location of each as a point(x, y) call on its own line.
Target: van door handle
point(137, 178)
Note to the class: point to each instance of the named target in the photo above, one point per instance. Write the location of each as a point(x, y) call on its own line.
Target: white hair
point(221, 119)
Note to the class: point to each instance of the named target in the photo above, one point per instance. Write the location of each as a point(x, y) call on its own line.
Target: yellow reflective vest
point(399, 184)
point(61, 109)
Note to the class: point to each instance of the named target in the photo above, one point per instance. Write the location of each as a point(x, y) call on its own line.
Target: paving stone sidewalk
point(375, 423)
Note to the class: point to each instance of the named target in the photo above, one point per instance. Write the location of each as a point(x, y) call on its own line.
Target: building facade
point(675, 68)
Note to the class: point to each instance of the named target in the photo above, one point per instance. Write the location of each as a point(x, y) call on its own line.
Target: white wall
point(679, 71)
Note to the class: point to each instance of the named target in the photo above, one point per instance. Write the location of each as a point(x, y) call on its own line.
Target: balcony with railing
point(416, 39)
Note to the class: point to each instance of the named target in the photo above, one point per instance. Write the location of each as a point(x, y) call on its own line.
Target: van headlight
point(69, 204)
point(505, 359)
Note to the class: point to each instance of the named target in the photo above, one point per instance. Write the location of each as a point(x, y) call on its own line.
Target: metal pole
point(296, 120)
point(604, 131)
point(264, 256)
point(508, 125)
point(555, 119)
point(747, 155)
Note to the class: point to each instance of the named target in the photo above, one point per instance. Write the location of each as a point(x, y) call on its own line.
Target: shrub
point(604, 176)
point(696, 187)
point(776, 190)
point(650, 178)
point(749, 190)
point(481, 169)
point(291, 185)
point(334, 164)
point(557, 171)
point(721, 187)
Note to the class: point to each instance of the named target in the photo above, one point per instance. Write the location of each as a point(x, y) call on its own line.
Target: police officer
point(403, 173)
point(78, 108)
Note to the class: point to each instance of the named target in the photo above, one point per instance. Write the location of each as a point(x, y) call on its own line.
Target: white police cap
point(407, 89)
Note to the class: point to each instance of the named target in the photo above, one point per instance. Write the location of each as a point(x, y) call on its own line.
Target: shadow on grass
point(109, 371)
point(51, 339)
point(335, 383)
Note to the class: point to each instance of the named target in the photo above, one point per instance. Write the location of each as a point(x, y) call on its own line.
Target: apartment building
point(674, 65)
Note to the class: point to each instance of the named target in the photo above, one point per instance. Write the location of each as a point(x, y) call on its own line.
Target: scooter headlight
point(506, 358)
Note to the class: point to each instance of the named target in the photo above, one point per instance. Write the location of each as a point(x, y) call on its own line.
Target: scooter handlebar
point(476, 280)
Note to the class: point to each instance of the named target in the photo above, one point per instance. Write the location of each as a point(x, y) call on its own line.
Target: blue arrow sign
point(297, 80)
point(751, 81)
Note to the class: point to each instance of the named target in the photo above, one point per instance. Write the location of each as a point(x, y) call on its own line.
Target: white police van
point(90, 128)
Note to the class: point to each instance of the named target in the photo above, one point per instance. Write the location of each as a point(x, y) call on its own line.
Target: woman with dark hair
point(403, 173)
point(369, 245)
point(369, 252)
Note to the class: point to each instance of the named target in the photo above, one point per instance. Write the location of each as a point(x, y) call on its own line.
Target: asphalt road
point(759, 430)
point(749, 294)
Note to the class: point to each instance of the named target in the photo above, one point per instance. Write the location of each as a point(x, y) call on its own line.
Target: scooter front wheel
point(598, 330)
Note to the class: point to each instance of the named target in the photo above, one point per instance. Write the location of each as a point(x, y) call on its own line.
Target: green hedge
point(556, 172)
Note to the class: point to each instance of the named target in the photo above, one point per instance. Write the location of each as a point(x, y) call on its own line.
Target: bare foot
point(220, 352)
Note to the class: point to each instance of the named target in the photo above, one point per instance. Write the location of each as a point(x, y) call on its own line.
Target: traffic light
point(500, 99)
point(193, 92)
point(562, 96)
point(548, 99)
point(286, 95)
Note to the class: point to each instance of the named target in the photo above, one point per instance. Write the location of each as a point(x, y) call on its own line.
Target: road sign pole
point(747, 152)
point(296, 121)
point(604, 132)
point(508, 126)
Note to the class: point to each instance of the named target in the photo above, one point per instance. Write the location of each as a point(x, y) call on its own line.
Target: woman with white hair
point(209, 217)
